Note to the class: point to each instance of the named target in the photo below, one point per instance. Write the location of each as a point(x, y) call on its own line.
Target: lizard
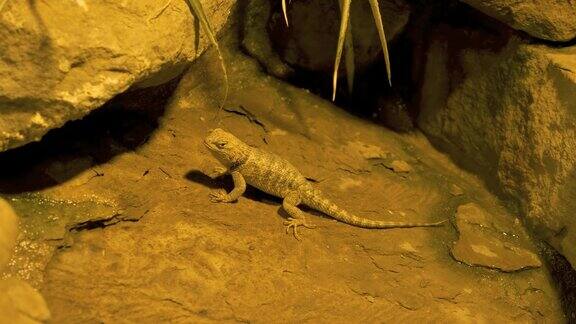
point(274, 175)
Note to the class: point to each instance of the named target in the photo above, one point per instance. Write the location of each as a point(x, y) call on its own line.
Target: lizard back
point(272, 174)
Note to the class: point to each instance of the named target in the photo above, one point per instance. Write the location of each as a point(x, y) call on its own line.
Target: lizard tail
point(315, 200)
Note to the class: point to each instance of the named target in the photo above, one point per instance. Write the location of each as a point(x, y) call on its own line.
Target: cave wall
point(504, 103)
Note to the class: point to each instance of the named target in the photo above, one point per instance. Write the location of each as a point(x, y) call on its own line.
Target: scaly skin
point(276, 176)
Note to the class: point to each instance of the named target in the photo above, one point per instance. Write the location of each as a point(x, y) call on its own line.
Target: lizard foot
point(219, 196)
point(294, 223)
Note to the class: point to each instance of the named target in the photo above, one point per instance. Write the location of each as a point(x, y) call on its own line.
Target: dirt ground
point(118, 226)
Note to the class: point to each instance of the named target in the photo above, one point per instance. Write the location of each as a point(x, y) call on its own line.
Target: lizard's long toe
point(294, 223)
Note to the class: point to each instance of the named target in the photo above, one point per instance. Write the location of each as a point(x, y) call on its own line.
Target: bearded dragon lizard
point(276, 176)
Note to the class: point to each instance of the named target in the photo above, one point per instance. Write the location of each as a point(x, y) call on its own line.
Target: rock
point(310, 41)
point(61, 60)
point(61, 171)
point(478, 245)
point(549, 20)
point(455, 190)
point(8, 232)
point(256, 40)
point(507, 110)
point(190, 259)
point(394, 113)
point(400, 166)
point(366, 151)
point(20, 303)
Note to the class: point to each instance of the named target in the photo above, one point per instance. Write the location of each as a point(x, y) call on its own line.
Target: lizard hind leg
point(296, 216)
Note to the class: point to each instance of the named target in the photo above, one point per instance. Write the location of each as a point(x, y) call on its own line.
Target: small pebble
point(456, 191)
point(400, 166)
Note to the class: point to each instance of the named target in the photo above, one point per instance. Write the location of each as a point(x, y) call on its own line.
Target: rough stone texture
point(510, 109)
point(483, 243)
point(310, 41)
point(46, 223)
point(189, 260)
point(256, 39)
point(455, 190)
point(62, 59)
point(553, 20)
point(393, 112)
point(21, 304)
point(8, 232)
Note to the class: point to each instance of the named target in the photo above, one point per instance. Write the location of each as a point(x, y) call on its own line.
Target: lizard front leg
point(296, 216)
point(239, 188)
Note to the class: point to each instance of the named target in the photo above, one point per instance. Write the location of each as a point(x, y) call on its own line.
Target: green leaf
point(345, 17)
point(198, 11)
point(382, 35)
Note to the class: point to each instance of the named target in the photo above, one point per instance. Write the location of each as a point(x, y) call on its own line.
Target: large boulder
point(510, 109)
point(62, 59)
point(550, 20)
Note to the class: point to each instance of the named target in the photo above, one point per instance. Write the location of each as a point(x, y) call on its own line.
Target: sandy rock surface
point(171, 255)
point(21, 304)
point(545, 19)
point(507, 110)
point(8, 232)
point(482, 241)
point(62, 59)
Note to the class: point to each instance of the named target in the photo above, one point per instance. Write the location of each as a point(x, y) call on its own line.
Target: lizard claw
point(218, 196)
point(294, 223)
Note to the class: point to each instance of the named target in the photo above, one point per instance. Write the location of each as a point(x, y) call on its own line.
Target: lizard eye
point(221, 144)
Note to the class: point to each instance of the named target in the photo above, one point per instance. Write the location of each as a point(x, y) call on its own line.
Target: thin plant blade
point(382, 35)
point(198, 10)
point(285, 12)
point(349, 56)
point(341, 36)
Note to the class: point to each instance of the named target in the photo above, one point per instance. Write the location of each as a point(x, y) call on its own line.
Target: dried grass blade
point(382, 35)
point(349, 57)
point(198, 10)
point(285, 12)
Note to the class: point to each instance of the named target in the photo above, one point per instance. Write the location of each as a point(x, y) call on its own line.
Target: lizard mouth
point(209, 146)
point(207, 143)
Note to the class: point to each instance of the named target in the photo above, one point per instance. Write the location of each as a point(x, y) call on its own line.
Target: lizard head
point(226, 146)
